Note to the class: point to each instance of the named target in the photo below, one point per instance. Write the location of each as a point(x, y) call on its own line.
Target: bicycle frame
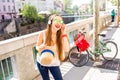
point(101, 49)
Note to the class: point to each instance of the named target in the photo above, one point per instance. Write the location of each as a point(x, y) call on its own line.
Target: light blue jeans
point(55, 71)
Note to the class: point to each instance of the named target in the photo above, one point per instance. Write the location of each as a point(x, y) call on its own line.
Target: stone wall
point(20, 50)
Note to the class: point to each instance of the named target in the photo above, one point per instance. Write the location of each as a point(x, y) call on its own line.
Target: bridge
point(17, 60)
point(95, 71)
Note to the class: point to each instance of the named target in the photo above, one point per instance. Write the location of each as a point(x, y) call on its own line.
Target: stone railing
point(87, 25)
point(20, 51)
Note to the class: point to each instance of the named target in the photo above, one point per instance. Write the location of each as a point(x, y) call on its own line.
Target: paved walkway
point(107, 71)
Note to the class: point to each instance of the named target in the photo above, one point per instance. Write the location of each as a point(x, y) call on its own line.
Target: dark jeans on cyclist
point(113, 17)
point(44, 71)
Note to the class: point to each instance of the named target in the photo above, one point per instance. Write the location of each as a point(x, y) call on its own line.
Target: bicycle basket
point(82, 43)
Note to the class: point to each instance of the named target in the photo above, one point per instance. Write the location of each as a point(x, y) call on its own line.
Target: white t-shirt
point(55, 61)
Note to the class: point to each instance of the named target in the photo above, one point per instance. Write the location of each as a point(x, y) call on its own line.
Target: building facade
point(7, 9)
point(41, 5)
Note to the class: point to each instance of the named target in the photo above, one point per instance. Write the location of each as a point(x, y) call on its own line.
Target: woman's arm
point(40, 45)
point(65, 42)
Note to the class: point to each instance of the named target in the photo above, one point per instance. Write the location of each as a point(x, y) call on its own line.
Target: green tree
point(67, 4)
point(75, 8)
point(114, 2)
point(29, 12)
point(91, 6)
point(54, 11)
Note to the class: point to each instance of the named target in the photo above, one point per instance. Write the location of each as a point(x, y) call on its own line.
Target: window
point(3, 0)
point(13, 8)
point(9, 8)
point(4, 8)
point(6, 71)
point(8, 0)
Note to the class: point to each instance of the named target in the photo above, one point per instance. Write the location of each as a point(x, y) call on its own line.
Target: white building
point(41, 5)
point(7, 9)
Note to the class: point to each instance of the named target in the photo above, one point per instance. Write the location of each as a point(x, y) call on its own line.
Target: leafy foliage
point(40, 18)
point(75, 8)
point(53, 11)
point(114, 2)
point(67, 6)
point(30, 12)
point(91, 6)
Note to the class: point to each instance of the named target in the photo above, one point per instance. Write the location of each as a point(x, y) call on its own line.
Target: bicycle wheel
point(111, 50)
point(76, 58)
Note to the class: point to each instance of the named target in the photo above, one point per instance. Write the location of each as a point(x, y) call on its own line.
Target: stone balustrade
point(20, 49)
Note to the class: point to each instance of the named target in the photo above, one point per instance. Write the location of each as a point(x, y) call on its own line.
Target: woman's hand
point(41, 47)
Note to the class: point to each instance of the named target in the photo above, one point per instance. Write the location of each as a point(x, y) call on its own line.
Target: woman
point(55, 38)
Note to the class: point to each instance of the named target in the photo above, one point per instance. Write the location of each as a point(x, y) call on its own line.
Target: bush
point(23, 24)
point(40, 18)
point(29, 12)
point(30, 20)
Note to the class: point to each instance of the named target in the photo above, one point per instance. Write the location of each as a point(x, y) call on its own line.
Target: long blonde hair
point(58, 35)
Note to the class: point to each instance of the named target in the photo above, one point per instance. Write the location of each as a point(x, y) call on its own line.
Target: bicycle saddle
point(103, 35)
